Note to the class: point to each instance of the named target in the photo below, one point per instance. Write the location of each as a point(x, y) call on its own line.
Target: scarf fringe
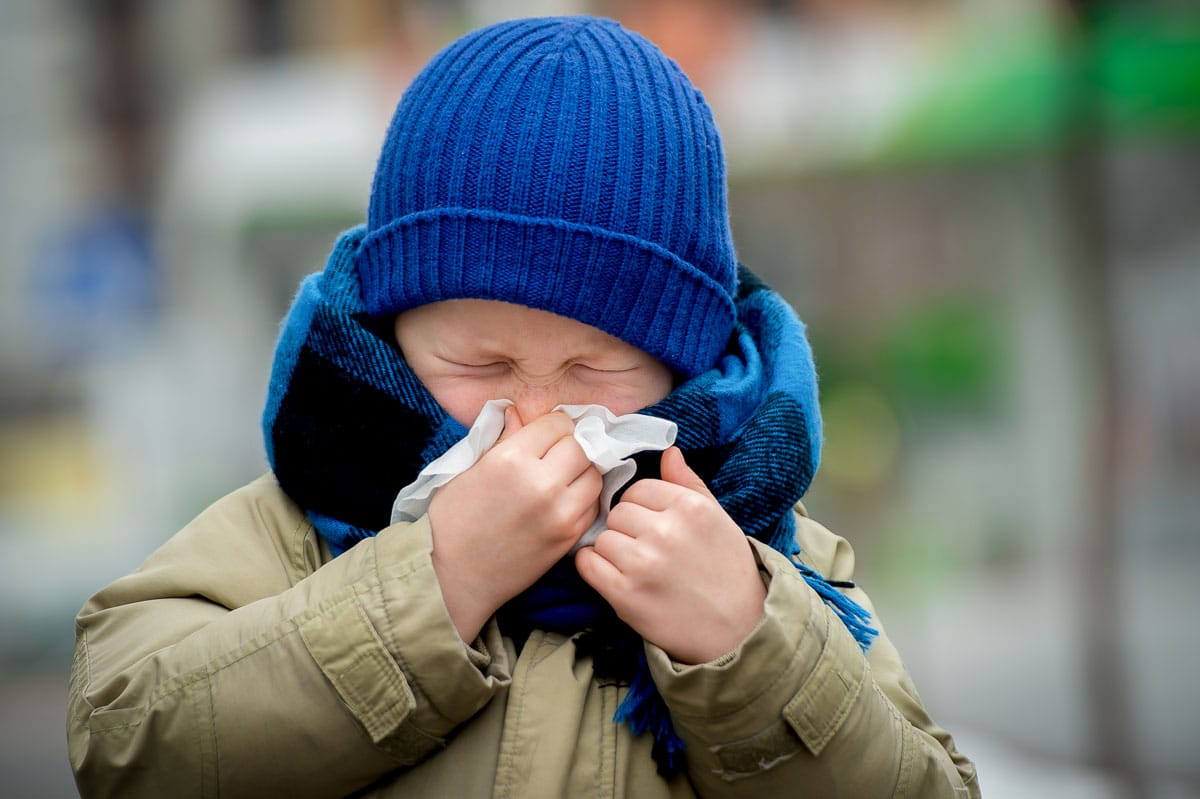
point(854, 616)
point(644, 710)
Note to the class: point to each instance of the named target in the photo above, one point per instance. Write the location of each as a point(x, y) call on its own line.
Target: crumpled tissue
point(608, 441)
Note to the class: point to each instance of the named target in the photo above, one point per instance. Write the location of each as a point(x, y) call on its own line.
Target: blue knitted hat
point(565, 164)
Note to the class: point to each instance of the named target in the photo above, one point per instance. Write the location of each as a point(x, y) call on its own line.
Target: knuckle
point(504, 457)
point(651, 562)
point(669, 535)
point(693, 503)
point(542, 485)
point(566, 520)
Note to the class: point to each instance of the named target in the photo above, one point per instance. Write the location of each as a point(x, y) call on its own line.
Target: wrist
point(467, 611)
point(709, 648)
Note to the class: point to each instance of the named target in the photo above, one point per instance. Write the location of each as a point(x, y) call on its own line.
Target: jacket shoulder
point(827, 553)
point(253, 542)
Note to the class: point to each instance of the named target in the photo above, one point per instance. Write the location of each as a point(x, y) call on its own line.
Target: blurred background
point(988, 212)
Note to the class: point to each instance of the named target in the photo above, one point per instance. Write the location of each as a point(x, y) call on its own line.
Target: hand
point(504, 522)
point(676, 567)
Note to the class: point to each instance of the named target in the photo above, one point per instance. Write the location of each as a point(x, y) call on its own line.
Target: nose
point(535, 401)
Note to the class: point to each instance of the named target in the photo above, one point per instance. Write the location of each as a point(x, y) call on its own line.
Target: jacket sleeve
point(232, 663)
point(798, 709)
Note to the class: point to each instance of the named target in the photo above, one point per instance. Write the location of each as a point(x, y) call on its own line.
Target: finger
point(632, 519)
point(538, 436)
point(599, 573)
point(512, 423)
point(675, 469)
point(589, 483)
point(565, 457)
point(584, 494)
point(653, 494)
point(616, 547)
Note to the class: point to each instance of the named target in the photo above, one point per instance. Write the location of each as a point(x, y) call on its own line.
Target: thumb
point(674, 469)
point(512, 423)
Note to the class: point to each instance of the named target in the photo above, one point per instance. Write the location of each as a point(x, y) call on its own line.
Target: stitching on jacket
point(292, 544)
point(528, 666)
point(804, 704)
point(904, 777)
point(414, 684)
point(411, 567)
point(916, 742)
point(212, 717)
point(182, 682)
point(173, 687)
point(299, 537)
point(359, 703)
point(389, 634)
point(766, 749)
point(86, 652)
point(506, 762)
point(729, 775)
point(608, 740)
point(380, 661)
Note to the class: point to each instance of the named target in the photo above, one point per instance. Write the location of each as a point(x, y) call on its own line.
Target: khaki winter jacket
point(241, 660)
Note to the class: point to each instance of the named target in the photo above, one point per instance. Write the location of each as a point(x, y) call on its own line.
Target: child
point(547, 225)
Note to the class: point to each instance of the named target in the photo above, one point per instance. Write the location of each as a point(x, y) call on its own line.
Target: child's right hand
point(501, 524)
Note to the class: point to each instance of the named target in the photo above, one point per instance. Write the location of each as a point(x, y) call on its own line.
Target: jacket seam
point(175, 686)
point(87, 666)
point(415, 683)
point(212, 716)
point(299, 536)
point(906, 751)
point(851, 686)
point(410, 567)
point(506, 762)
point(386, 635)
point(180, 683)
point(379, 661)
point(608, 741)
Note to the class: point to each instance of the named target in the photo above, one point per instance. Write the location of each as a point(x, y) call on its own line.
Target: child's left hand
point(675, 567)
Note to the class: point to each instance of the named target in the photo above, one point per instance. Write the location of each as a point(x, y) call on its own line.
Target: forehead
point(504, 328)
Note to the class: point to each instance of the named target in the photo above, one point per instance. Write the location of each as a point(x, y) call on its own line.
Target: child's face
point(467, 352)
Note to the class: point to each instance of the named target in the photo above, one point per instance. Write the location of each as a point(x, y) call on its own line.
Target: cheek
point(462, 399)
point(626, 398)
point(650, 387)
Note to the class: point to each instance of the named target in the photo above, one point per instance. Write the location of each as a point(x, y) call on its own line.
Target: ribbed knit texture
point(566, 164)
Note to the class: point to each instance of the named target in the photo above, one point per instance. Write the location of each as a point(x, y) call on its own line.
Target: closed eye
point(484, 367)
point(605, 370)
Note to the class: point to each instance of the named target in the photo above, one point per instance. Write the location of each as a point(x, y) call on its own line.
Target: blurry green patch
point(1016, 89)
point(998, 91)
point(910, 559)
point(945, 356)
point(862, 436)
point(1148, 70)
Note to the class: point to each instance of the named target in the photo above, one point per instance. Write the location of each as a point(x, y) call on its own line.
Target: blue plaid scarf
point(347, 424)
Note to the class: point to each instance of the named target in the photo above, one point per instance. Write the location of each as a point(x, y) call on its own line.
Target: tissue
point(607, 440)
